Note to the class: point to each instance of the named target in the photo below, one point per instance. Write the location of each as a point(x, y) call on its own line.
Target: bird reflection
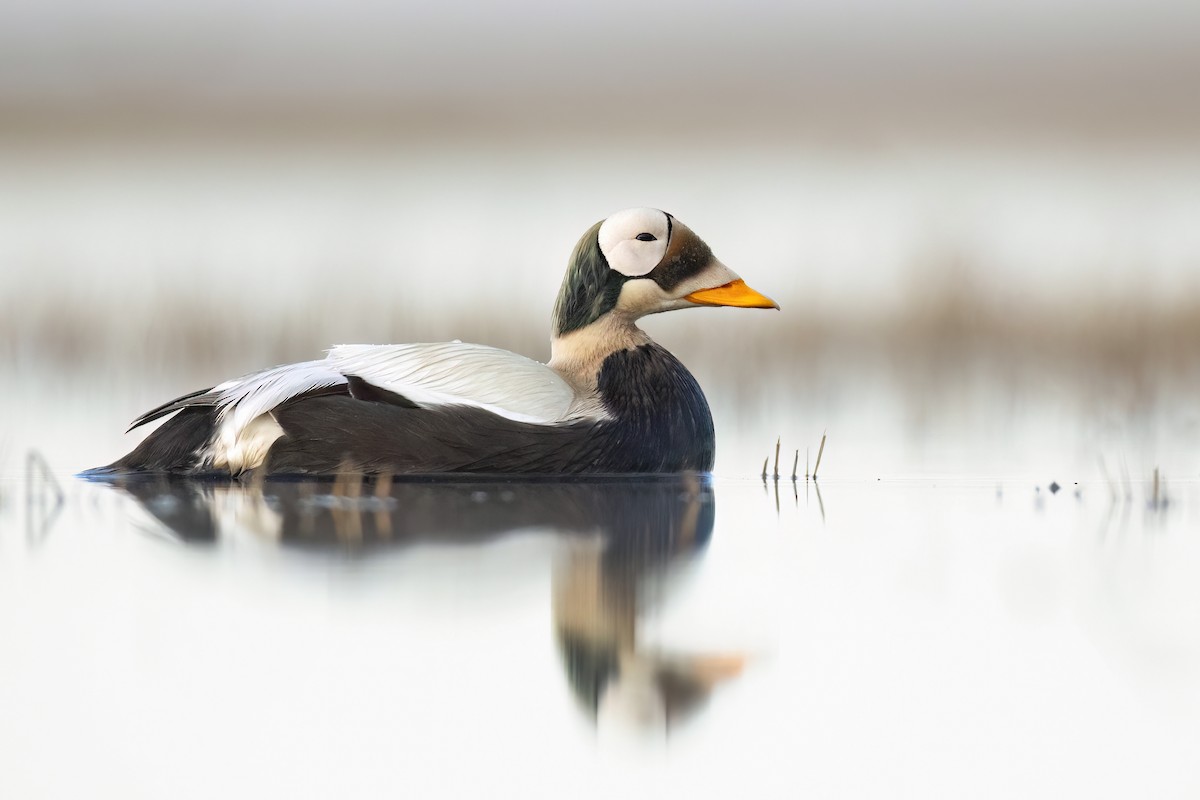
point(620, 537)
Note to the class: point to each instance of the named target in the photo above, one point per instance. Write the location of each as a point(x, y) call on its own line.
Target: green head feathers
point(590, 288)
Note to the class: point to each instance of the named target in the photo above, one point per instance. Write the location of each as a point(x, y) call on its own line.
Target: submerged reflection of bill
point(620, 536)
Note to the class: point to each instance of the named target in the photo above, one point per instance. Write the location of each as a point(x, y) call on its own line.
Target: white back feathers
point(428, 375)
point(456, 373)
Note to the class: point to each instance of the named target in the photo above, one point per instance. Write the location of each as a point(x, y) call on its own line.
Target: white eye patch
point(634, 240)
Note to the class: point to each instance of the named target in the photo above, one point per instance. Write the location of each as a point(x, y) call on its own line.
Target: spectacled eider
point(609, 401)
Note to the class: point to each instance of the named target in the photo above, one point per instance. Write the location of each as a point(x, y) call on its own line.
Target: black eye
point(646, 237)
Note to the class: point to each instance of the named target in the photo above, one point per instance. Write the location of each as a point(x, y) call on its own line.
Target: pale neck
point(578, 355)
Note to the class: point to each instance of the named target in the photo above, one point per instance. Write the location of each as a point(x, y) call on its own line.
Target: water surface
point(874, 636)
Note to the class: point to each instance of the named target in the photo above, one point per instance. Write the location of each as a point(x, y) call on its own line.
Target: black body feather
point(202, 397)
point(174, 446)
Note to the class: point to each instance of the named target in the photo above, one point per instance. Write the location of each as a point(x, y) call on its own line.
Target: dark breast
point(661, 419)
point(659, 422)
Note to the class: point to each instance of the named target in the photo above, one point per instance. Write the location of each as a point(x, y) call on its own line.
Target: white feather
point(626, 253)
point(250, 397)
point(249, 447)
point(454, 373)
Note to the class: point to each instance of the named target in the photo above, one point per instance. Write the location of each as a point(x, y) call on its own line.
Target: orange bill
point(734, 293)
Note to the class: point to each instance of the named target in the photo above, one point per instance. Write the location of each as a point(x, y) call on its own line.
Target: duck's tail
point(176, 446)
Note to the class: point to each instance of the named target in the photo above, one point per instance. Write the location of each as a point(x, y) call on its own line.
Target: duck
point(609, 401)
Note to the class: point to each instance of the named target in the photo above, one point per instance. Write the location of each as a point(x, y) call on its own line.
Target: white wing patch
point(430, 375)
point(245, 433)
point(454, 373)
point(247, 398)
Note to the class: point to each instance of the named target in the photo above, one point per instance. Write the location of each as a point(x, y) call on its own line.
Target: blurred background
point(981, 221)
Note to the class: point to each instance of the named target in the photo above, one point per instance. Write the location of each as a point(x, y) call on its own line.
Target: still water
point(877, 637)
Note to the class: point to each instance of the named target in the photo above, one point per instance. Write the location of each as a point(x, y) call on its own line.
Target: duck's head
point(642, 261)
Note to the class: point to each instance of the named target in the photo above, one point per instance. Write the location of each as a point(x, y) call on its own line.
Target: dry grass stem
point(820, 450)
